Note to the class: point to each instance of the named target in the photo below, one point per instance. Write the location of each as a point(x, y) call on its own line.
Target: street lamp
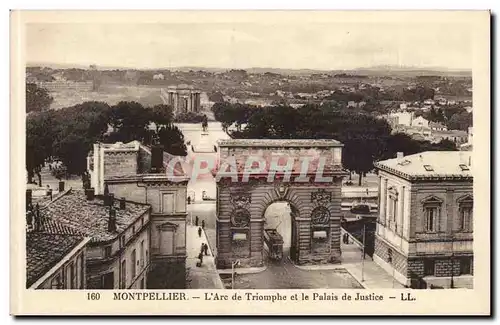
point(363, 254)
point(452, 284)
point(233, 265)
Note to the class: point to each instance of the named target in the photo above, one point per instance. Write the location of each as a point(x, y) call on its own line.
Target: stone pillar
point(407, 214)
point(189, 107)
point(383, 199)
point(256, 242)
point(401, 203)
point(176, 101)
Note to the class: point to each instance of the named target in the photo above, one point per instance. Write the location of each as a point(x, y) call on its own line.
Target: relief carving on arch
point(320, 216)
point(241, 200)
point(240, 218)
point(321, 197)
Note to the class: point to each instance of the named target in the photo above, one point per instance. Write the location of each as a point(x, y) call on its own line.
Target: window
point(389, 255)
point(428, 267)
point(431, 213)
point(122, 241)
point(428, 168)
point(133, 258)
point(107, 251)
point(56, 282)
point(393, 208)
point(147, 258)
point(465, 218)
point(142, 222)
point(133, 230)
point(123, 279)
point(465, 266)
point(465, 210)
point(141, 252)
point(430, 219)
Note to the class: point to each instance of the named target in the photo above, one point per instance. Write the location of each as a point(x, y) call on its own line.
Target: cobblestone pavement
point(284, 275)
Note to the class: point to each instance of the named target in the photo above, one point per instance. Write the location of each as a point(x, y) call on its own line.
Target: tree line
point(68, 134)
point(366, 139)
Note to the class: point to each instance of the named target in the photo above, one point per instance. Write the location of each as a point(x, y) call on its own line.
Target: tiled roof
point(431, 164)
point(91, 217)
point(44, 251)
point(49, 226)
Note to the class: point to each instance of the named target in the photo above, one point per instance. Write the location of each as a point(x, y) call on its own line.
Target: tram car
point(274, 242)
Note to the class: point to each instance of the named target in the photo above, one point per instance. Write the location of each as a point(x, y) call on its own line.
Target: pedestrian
point(202, 247)
point(199, 232)
point(189, 200)
point(196, 221)
point(200, 257)
point(203, 224)
point(205, 248)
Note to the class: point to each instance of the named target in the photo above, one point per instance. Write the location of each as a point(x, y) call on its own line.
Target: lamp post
point(363, 254)
point(233, 265)
point(452, 284)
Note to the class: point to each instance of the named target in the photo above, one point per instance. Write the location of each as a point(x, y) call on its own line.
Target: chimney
point(112, 220)
point(89, 193)
point(400, 155)
point(470, 160)
point(122, 203)
point(29, 196)
point(156, 158)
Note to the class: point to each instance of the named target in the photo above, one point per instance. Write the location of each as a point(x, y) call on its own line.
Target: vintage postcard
point(250, 163)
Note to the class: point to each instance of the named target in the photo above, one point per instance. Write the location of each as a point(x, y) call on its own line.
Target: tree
point(162, 115)
point(37, 99)
point(460, 121)
point(39, 141)
point(76, 129)
point(172, 140)
point(131, 121)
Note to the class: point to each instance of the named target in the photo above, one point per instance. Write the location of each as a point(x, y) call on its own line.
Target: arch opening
point(279, 216)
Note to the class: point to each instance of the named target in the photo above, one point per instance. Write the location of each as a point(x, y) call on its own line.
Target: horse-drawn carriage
point(274, 242)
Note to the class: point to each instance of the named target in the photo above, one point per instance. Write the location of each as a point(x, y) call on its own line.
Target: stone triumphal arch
point(310, 183)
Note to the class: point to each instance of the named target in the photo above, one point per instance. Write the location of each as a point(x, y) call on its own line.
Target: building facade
point(117, 255)
point(425, 225)
point(138, 173)
point(313, 226)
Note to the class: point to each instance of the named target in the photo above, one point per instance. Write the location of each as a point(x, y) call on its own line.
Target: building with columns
point(424, 233)
point(182, 98)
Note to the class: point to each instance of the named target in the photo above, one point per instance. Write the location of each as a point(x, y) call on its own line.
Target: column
point(407, 213)
point(383, 199)
point(189, 107)
point(401, 203)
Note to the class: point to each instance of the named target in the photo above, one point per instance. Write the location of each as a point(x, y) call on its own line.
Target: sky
point(322, 46)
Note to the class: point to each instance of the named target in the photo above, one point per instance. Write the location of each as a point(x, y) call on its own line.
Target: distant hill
point(385, 70)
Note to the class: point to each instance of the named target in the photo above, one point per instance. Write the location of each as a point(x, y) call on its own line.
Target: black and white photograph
point(252, 153)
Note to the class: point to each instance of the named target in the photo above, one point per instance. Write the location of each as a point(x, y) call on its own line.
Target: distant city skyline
point(315, 46)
